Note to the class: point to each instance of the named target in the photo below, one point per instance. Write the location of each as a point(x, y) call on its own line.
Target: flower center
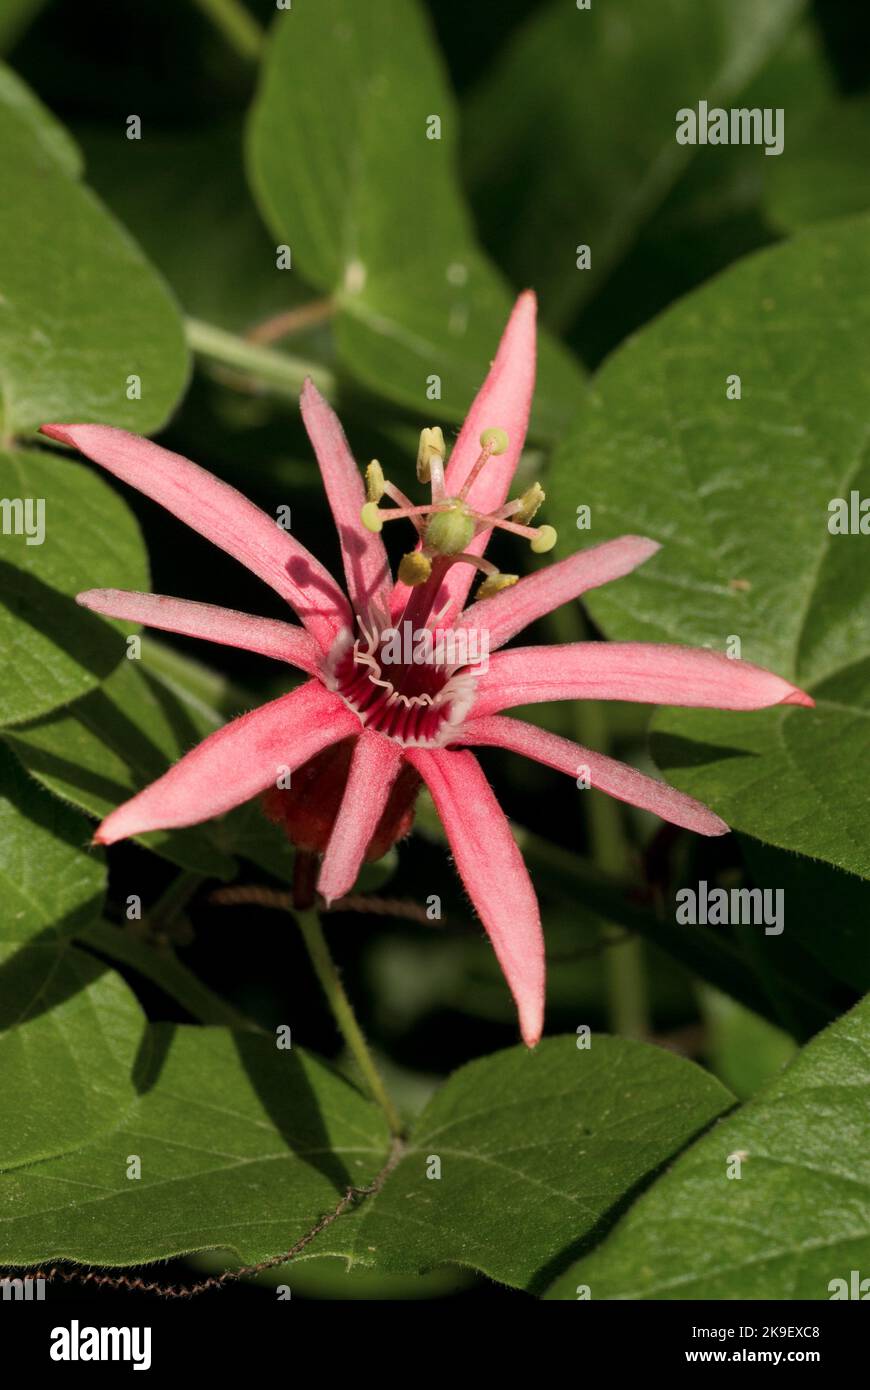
point(414, 685)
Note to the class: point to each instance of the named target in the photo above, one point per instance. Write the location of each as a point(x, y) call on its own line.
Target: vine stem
point(327, 974)
point(291, 321)
point(283, 372)
point(237, 25)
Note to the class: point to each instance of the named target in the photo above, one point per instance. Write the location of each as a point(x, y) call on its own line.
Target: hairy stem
point(327, 974)
point(291, 321)
point(254, 364)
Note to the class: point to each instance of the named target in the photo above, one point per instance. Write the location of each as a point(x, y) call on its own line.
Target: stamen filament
point(483, 457)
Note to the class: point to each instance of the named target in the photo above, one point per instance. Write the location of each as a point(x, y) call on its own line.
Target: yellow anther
point(494, 583)
point(415, 568)
point(529, 504)
point(371, 517)
point(496, 440)
point(374, 482)
point(431, 445)
point(544, 540)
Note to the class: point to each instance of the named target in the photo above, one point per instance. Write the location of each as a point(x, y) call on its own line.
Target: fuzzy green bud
point(450, 531)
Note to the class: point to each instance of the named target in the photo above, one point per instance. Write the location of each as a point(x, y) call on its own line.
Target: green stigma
point(449, 532)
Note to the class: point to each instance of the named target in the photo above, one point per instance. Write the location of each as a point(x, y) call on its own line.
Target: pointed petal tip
point(798, 697)
point(714, 826)
point(646, 543)
point(61, 432)
point(532, 1021)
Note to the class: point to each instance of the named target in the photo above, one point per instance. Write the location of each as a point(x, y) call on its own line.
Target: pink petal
point(507, 613)
point(492, 869)
point(373, 770)
point(366, 566)
point(606, 774)
point(267, 636)
point(221, 514)
point(235, 763)
point(641, 671)
point(503, 401)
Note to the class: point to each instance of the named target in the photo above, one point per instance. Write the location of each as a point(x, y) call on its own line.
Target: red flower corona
point(398, 690)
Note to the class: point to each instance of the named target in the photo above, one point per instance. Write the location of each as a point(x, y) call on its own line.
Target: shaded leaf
point(82, 309)
point(826, 173)
point(242, 1147)
point(797, 1217)
point(602, 87)
point(536, 1149)
point(744, 1050)
point(71, 1034)
point(371, 207)
point(51, 650)
point(103, 748)
point(245, 1147)
point(49, 880)
point(738, 492)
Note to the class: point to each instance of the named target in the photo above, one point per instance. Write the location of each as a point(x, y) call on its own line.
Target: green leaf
point(245, 1148)
point(51, 650)
point(242, 1146)
point(49, 882)
point(715, 211)
point(828, 911)
point(825, 174)
point(223, 268)
point(55, 140)
point(536, 1149)
point(71, 1034)
point(82, 309)
point(738, 493)
point(796, 1218)
point(744, 1050)
point(371, 207)
point(103, 748)
point(601, 88)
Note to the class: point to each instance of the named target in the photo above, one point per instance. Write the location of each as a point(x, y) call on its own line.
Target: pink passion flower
point(376, 719)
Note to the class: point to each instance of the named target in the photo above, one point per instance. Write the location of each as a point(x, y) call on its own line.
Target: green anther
point(415, 568)
point(544, 540)
point(371, 517)
point(374, 482)
point(450, 531)
point(529, 504)
point(496, 440)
